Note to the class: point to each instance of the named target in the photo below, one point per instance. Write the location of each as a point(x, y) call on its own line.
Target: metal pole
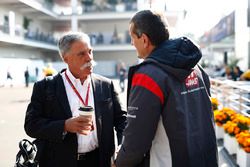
point(74, 20)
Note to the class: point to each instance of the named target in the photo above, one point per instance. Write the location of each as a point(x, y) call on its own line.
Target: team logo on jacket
point(192, 81)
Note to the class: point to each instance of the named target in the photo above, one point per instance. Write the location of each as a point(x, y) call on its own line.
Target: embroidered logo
point(192, 81)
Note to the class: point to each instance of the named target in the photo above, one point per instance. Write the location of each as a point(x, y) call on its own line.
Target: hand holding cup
point(87, 113)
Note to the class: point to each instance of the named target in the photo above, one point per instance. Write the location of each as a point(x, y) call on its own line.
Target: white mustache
point(88, 64)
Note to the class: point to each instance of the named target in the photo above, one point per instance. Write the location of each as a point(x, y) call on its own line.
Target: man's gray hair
point(66, 41)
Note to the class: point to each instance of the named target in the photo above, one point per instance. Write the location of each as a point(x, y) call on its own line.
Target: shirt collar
point(76, 80)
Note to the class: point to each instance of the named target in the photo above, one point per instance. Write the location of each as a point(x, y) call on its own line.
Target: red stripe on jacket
point(148, 83)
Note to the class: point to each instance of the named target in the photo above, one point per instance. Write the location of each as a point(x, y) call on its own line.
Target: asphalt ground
point(13, 104)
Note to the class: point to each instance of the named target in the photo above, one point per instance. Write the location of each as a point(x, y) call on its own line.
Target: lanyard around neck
point(85, 103)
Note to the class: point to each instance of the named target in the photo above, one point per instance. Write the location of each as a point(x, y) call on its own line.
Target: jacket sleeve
point(37, 122)
point(119, 114)
point(144, 110)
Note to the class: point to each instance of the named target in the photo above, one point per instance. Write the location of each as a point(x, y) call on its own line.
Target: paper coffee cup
point(87, 111)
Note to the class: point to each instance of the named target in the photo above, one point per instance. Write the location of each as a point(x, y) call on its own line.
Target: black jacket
point(170, 119)
point(48, 110)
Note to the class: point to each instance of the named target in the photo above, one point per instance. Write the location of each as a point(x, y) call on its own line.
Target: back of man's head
point(153, 24)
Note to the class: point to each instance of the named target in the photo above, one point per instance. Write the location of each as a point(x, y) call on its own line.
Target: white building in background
point(242, 33)
point(230, 38)
point(29, 30)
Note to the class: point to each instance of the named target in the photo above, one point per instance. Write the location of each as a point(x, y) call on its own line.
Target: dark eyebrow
point(81, 53)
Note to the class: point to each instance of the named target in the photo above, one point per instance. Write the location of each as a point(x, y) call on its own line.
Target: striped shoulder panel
point(143, 80)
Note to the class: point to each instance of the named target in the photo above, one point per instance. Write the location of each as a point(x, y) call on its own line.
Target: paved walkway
point(14, 102)
point(12, 111)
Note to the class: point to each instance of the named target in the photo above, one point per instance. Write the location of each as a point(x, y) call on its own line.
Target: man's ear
point(145, 40)
point(65, 58)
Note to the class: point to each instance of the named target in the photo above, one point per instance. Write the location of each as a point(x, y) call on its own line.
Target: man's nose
point(89, 56)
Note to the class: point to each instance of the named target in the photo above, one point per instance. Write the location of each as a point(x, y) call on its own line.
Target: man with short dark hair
point(170, 119)
point(66, 139)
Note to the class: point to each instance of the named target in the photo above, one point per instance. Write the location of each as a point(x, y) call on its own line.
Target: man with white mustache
point(52, 116)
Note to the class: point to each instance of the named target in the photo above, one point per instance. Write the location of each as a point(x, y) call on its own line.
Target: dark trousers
point(90, 159)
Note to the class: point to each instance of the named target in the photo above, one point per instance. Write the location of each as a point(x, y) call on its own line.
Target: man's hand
point(113, 162)
point(115, 155)
point(117, 150)
point(80, 124)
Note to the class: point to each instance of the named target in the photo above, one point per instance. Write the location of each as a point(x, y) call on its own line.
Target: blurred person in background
point(37, 72)
point(237, 72)
point(49, 70)
point(122, 75)
point(170, 118)
point(52, 117)
point(26, 77)
point(228, 74)
point(9, 78)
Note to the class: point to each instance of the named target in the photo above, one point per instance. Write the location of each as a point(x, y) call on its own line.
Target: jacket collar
point(62, 95)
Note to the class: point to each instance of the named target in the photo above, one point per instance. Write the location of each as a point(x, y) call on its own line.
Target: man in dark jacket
point(64, 138)
point(170, 120)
